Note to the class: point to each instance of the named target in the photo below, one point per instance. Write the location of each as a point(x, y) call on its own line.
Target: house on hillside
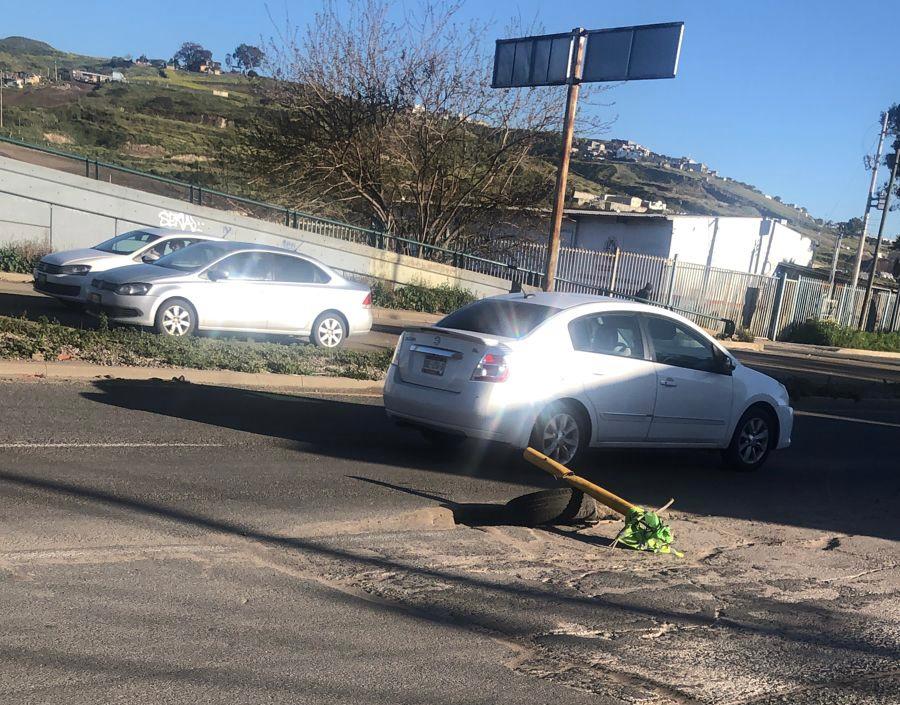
point(90, 77)
point(888, 267)
point(11, 80)
point(632, 151)
point(29, 79)
point(210, 67)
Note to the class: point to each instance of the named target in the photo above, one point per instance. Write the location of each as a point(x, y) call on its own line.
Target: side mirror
point(724, 363)
point(217, 275)
point(149, 259)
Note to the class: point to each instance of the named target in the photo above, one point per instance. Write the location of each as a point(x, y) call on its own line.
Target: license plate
point(94, 298)
point(434, 365)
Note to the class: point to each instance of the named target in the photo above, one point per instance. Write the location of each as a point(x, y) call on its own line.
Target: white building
point(747, 244)
point(633, 151)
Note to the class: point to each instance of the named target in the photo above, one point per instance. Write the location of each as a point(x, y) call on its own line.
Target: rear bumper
point(472, 413)
point(360, 322)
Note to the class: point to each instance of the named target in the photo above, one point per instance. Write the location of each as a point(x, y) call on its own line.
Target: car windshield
point(501, 317)
point(127, 243)
point(191, 258)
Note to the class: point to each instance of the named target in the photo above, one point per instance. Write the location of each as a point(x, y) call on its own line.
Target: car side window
point(677, 345)
point(608, 334)
point(167, 247)
point(247, 266)
point(298, 271)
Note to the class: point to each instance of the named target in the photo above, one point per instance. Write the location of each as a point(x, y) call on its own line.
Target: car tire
point(176, 318)
point(753, 439)
point(329, 331)
point(441, 439)
point(558, 506)
point(561, 433)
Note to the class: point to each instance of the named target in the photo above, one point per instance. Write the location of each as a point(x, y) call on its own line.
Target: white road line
point(112, 445)
point(847, 418)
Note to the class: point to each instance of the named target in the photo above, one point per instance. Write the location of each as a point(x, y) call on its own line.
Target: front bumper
point(137, 310)
point(61, 286)
point(785, 425)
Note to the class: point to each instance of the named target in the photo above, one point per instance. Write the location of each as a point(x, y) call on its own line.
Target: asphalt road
point(167, 542)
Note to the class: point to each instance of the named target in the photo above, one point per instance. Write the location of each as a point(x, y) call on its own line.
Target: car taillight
point(367, 302)
point(492, 368)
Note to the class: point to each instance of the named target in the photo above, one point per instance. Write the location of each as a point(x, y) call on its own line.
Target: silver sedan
point(66, 275)
point(234, 286)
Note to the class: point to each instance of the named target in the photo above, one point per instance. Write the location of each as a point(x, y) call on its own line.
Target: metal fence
point(805, 298)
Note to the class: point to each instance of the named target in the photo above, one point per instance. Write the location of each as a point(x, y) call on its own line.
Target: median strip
point(51, 342)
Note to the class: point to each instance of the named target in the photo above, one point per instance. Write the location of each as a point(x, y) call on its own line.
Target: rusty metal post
point(562, 174)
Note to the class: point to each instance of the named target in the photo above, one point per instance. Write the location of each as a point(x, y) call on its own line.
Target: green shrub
point(21, 257)
point(833, 335)
point(744, 335)
point(416, 297)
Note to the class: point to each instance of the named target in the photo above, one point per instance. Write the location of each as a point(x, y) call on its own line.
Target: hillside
point(689, 192)
point(181, 125)
point(23, 54)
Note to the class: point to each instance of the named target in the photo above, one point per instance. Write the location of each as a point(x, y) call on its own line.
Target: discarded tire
point(559, 506)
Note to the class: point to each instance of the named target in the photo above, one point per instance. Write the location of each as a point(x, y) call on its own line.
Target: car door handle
point(668, 382)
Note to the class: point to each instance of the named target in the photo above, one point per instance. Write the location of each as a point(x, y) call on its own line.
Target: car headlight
point(78, 269)
point(133, 289)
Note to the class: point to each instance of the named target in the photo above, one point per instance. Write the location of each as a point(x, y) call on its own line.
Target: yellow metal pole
point(561, 472)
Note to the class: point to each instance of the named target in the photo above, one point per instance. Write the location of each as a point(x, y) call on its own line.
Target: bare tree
point(388, 118)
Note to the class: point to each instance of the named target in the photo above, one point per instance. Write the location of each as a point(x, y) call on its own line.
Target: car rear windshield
point(192, 257)
point(501, 317)
point(127, 243)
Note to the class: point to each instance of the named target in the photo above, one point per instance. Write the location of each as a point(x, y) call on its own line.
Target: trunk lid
point(443, 358)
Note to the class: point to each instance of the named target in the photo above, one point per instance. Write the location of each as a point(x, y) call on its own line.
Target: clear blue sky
point(784, 94)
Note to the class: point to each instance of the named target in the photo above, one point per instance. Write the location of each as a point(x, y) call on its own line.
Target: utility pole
point(562, 175)
point(884, 216)
point(862, 238)
point(834, 259)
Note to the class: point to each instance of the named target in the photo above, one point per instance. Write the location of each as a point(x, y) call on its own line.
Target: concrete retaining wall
point(64, 211)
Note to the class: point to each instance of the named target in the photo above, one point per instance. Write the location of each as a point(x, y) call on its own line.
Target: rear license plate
point(434, 365)
point(94, 298)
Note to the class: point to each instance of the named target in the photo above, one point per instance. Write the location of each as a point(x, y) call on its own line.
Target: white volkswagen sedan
point(235, 286)
point(66, 275)
point(562, 372)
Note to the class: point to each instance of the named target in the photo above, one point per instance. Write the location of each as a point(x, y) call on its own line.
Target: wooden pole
point(562, 174)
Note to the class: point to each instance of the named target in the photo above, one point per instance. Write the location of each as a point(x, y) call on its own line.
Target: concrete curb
point(881, 356)
point(739, 345)
point(390, 320)
point(16, 277)
point(219, 378)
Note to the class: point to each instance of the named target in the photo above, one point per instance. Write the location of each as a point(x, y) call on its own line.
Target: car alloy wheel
point(330, 332)
point(753, 440)
point(560, 437)
point(176, 320)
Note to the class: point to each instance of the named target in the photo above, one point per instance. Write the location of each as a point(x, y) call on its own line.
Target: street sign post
point(637, 53)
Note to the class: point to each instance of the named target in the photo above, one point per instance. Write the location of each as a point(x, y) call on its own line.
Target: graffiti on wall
point(180, 221)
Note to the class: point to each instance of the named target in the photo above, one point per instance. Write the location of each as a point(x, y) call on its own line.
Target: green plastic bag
point(645, 531)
